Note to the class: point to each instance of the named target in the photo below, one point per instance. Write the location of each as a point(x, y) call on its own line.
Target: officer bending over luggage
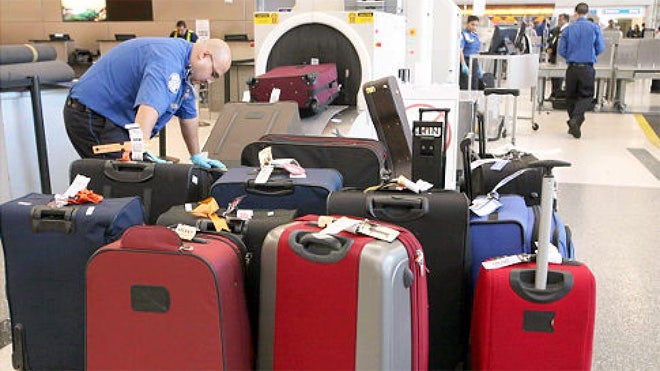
point(144, 81)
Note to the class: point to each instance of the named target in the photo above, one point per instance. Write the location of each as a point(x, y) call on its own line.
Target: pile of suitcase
point(180, 267)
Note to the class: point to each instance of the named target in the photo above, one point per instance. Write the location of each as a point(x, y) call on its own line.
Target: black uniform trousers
point(87, 128)
point(580, 87)
point(463, 78)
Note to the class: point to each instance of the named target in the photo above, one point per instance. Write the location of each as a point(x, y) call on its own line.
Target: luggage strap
point(507, 180)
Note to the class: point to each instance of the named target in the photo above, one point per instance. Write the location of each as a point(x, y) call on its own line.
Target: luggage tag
point(291, 166)
point(483, 206)
point(339, 225)
point(417, 187)
point(499, 165)
point(137, 141)
point(79, 183)
point(506, 261)
point(379, 232)
point(554, 256)
point(274, 95)
point(477, 163)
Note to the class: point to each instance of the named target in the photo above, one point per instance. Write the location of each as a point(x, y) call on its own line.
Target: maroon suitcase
point(155, 303)
point(311, 86)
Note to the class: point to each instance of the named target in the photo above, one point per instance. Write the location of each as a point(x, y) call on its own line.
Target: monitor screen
point(503, 40)
point(124, 36)
point(83, 10)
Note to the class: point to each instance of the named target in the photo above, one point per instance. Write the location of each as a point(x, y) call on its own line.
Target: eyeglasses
point(214, 73)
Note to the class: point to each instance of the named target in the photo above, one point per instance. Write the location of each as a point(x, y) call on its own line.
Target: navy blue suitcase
point(308, 195)
point(511, 230)
point(46, 252)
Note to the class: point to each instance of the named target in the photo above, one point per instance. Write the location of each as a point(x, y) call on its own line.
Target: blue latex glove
point(480, 72)
point(205, 162)
point(148, 156)
point(464, 68)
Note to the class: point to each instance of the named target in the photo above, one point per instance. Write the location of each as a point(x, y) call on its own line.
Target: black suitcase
point(439, 220)
point(251, 233)
point(362, 162)
point(160, 186)
point(429, 147)
point(46, 251)
point(388, 114)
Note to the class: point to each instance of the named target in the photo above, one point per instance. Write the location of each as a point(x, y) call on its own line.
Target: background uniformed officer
point(183, 32)
point(144, 81)
point(580, 44)
point(470, 45)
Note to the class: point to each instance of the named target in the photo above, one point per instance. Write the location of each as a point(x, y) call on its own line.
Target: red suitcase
point(341, 302)
point(311, 86)
point(155, 303)
point(548, 308)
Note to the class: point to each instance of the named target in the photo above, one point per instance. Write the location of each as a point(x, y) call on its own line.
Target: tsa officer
point(580, 44)
point(470, 45)
point(144, 81)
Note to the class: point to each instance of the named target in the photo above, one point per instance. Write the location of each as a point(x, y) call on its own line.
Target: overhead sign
point(203, 29)
point(623, 11)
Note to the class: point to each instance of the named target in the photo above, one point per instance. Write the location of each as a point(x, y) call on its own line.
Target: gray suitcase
point(341, 302)
point(242, 123)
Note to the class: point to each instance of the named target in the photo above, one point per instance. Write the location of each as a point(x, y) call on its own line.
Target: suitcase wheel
point(252, 82)
point(310, 78)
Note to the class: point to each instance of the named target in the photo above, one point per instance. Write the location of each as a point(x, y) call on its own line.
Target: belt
point(581, 64)
point(75, 104)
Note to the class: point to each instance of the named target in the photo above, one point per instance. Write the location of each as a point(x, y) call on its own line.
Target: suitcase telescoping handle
point(48, 219)
point(129, 172)
point(399, 208)
point(545, 225)
point(270, 188)
point(422, 111)
point(320, 248)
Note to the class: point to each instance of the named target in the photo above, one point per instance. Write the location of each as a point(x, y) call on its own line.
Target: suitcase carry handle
point(270, 188)
point(47, 219)
point(397, 208)
point(522, 282)
point(151, 237)
point(319, 248)
point(129, 172)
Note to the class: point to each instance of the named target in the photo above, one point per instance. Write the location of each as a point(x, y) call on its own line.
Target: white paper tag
point(324, 221)
point(340, 224)
point(270, 213)
point(554, 256)
point(502, 262)
point(274, 95)
point(244, 214)
point(377, 231)
point(499, 165)
point(246, 96)
point(188, 207)
point(423, 185)
point(90, 210)
point(265, 156)
point(476, 164)
point(60, 201)
point(314, 61)
point(194, 179)
point(185, 232)
point(79, 183)
point(264, 174)
point(484, 206)
point(135, 134)
point(23, 203)
point(405, 182)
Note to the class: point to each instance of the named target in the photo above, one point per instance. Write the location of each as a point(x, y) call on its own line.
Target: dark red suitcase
point(310, 85)
point(155, 303)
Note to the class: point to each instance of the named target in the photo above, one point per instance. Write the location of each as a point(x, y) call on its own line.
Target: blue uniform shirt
point(150, 71)
point(470, 43)
point(581, 42)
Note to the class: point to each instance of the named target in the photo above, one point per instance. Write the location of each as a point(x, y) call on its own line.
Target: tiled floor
point(611, 201)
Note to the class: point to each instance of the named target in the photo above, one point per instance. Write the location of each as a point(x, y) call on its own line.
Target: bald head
point(208, 57)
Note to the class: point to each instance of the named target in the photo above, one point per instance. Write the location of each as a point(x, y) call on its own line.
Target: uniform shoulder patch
point(174, 82)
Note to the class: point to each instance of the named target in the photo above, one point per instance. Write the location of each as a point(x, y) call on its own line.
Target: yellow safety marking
point(266, 18)
point(648, 130)
point(35, 53)
point(360, 18)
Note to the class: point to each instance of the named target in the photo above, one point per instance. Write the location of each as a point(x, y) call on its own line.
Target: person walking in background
point(580, 44)
point(183, 32)
point(553, 43)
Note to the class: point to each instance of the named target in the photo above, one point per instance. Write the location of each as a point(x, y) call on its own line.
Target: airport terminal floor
point(609, 197)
